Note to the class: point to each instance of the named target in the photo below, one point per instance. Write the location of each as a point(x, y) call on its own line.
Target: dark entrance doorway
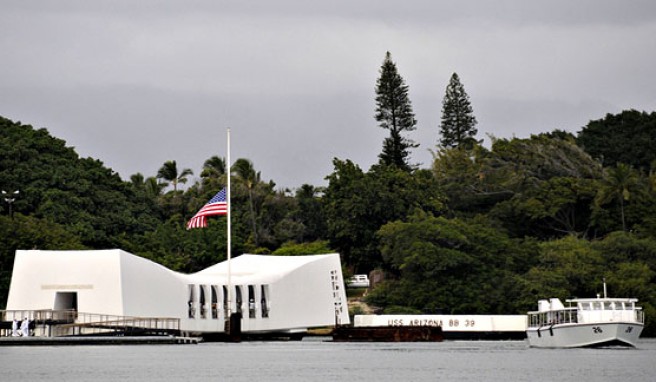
point(65, 301)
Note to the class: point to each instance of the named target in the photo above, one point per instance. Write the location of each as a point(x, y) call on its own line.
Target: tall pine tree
point(394, 112)
point(458, 126)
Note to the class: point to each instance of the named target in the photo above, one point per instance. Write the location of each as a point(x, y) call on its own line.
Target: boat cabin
point(594, 310)
point(591, 310)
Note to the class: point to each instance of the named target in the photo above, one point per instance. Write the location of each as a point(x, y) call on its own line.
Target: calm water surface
point(319, 360)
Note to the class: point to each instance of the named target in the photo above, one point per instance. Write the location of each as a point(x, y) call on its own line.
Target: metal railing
point(57, 323)
point(42, 315)
point(563, 316)
point(102, 324)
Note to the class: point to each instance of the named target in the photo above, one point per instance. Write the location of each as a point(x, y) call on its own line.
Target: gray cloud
point(615, 12)
point(137, 83)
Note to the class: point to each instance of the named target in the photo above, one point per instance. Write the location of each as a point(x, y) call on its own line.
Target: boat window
point(596, 305)
point(251, 301)
point(215, 311)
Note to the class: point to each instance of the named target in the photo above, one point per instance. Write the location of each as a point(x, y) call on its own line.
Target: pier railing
point(42, 315)
point(102, 324)
point(57, 323)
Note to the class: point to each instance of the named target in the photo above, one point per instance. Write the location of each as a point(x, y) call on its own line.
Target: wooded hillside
point(483, 230)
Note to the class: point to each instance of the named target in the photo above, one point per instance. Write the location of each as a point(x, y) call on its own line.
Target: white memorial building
point(273, 294)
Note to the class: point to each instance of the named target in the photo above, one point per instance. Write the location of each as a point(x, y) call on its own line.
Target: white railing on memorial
point(57, 323)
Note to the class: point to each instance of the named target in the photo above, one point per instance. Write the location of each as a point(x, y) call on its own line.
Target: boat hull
point(388, 334)
point(575, 335)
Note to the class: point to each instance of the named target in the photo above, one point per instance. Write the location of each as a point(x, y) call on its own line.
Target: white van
point(358, 281)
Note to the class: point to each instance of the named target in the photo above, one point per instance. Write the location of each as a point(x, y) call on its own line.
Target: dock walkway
point(68, 327)
point(111, 340)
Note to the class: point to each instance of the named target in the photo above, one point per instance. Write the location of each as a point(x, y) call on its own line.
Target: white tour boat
point(586, 322)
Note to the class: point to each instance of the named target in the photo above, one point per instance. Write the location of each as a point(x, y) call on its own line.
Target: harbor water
point(317, 359)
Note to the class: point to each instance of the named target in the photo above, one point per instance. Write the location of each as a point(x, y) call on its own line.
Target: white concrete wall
point(302, 290)
point(304, 297)
point(38, 275)
point(151, 290)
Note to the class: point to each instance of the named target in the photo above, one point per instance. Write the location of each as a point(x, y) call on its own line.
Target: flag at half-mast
point(216, 206)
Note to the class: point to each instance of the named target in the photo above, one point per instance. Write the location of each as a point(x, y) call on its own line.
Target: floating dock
point(454, 327)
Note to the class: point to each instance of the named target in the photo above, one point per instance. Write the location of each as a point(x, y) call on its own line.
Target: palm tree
point(137, 179)
point(246, 174)
point(152, 188)
point(148, 186)
point(213, 170)
point(169, 172)
point(617, 184)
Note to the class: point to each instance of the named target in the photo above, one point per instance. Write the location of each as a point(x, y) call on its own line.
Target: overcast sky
point(137, 83)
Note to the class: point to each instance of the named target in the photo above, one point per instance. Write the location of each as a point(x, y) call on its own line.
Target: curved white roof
point(259, 267)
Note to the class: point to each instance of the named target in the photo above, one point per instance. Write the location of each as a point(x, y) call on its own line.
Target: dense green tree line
point(68, 202)
point(482, 230)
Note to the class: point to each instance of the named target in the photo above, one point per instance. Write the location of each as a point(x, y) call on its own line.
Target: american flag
point(216, 206)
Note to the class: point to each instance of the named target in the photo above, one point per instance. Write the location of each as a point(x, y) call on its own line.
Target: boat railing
point(553, 317)
point(572, 315)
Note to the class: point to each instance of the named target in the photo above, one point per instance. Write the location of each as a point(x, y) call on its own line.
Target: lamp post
point(10, 198)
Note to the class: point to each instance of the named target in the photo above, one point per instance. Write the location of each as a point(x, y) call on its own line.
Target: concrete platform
point(107, 340)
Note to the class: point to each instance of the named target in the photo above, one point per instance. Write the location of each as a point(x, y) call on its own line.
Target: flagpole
point(229, 254)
